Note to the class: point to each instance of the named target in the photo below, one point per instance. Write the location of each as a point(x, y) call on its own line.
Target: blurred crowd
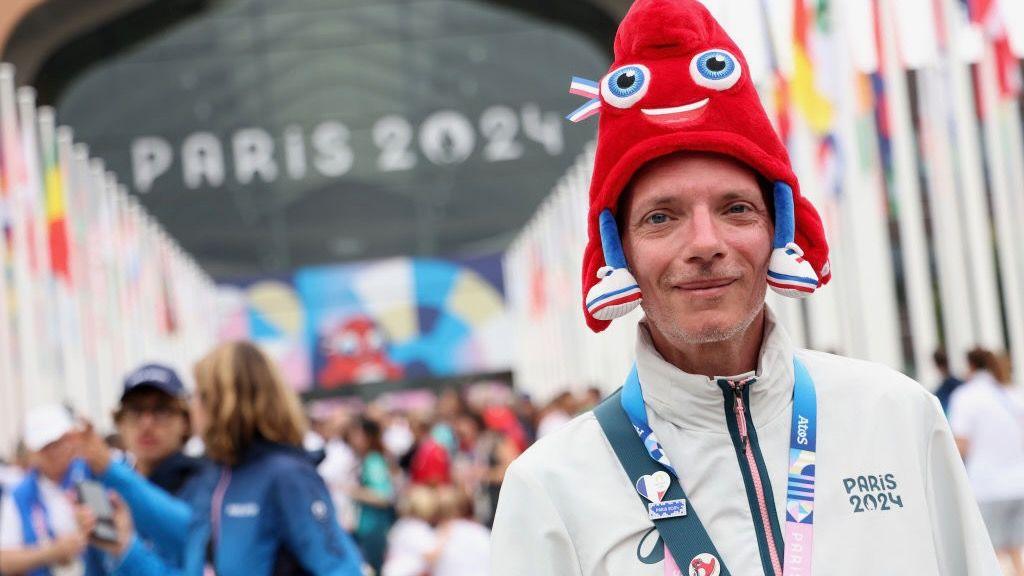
point(986, 414)
point(237, 478)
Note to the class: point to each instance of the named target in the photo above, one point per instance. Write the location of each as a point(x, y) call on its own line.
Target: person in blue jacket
point(154, 423)
point(261, 509)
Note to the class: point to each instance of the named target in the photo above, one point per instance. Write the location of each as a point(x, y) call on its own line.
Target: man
point(38, 533)
point(795, 461)
point(153, 421)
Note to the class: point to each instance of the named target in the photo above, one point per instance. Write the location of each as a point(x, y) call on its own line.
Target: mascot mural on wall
point(355, 352)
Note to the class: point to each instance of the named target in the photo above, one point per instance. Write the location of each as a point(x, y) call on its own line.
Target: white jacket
point(567, 507)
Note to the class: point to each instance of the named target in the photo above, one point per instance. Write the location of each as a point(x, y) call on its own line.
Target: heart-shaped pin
point(654, 486)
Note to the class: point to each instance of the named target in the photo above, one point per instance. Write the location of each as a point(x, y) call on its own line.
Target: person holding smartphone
point(153, 420)
point(260, 508)
point(39, 536)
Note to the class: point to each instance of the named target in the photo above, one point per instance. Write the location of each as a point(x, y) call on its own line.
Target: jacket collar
point(261, 448)
point(696, 402)
point(172, 472)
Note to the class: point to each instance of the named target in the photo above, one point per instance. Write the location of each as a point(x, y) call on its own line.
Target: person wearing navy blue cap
point(153, 421)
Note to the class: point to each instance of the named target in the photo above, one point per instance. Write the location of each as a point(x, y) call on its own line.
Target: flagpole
point(971, 194)
point(947, 237)
point(870, 287)
point(57, 301)
point(1014, 135)
point(48, 388)
point(85, 272)
point(14, 177)
point(1013, 289)
point(913, 240)
point(107, 340)
point(9, 410)
point(73, 285)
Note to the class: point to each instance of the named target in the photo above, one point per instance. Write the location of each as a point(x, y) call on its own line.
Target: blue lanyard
point(799, 534)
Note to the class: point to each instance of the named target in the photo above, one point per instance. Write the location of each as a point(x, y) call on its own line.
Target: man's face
point(152, 424)
point(54, 459)
point(697, 236)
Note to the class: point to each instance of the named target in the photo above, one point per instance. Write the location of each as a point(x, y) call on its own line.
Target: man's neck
point(726, 358)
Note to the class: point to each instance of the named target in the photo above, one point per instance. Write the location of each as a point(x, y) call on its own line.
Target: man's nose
point(704, 241)
point(147, 418)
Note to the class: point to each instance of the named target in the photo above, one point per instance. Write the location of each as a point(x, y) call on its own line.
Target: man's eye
point(739, 209)
point(657, 218)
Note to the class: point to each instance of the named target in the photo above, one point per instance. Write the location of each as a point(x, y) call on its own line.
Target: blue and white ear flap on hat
point(788, 273)
point(616, 292)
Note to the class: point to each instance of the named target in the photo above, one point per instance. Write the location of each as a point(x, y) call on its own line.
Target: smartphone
point(94, 495)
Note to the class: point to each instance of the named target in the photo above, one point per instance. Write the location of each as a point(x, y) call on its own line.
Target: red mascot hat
point(680, 83)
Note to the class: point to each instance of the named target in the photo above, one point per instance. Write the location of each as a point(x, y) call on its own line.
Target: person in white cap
point(728, 450)
point(39, 530)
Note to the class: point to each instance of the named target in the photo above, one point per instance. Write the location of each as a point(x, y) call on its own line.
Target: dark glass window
point(269, 135)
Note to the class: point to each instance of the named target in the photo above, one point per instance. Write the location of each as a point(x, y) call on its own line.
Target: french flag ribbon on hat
point(679, 83)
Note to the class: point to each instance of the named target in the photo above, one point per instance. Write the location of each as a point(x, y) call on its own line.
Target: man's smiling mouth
point(685, 111)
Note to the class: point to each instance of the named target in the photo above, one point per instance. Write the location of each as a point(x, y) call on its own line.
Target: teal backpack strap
point(684, 536)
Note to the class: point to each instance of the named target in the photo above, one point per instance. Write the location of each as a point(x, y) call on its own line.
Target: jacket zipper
point(758, 486)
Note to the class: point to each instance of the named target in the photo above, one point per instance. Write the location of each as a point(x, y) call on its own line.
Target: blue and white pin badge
point(616, 292)
point(587, 89)
point(666, 509)
point(654, 486)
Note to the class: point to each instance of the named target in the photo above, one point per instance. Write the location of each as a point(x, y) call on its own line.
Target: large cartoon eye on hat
point(625, 86)
point(715, 69)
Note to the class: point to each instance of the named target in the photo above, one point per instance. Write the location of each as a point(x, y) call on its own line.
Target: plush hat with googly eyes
point(680, 83)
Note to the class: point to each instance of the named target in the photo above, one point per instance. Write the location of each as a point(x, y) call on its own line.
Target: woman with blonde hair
point(270, 511)
point(261, 508)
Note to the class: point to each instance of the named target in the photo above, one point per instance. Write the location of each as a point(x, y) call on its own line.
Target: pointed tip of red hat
point(661, 24)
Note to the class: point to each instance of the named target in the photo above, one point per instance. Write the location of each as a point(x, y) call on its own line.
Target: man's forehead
point(657, 198)
point(694, 165)
point(147, 394)
point(677, 177)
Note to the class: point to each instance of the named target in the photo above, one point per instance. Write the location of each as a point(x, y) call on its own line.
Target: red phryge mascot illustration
point(703, 567)
point(355, 353)
point(680, 83)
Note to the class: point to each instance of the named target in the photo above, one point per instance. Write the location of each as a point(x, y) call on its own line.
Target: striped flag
point(56, 203)
point(810, 21)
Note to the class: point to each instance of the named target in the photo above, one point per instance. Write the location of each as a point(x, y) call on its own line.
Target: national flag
point(879, 97)
point(988, 16)
point(56, 203)
point(808, 97)
point(167, 307)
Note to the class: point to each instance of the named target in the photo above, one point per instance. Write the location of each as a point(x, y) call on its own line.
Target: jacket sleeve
point(529, 536)
point(310, 528)
point(141, 561)
point(961, 541)
point(157, 514)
